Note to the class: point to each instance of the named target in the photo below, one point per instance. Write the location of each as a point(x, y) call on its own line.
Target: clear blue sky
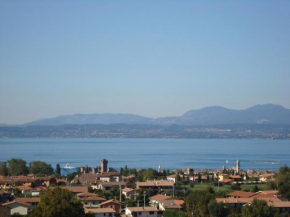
point(152, 58)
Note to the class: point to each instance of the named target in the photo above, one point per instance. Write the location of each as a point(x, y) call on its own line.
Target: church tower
point(104, 165)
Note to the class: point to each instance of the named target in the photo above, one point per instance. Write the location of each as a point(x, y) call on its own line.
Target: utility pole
point(120, 193)
point(144, 199)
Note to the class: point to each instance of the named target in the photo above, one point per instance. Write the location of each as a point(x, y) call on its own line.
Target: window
point(139, 213)
point(151, 213)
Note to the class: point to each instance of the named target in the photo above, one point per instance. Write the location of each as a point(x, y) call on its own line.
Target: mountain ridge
point(258, 114)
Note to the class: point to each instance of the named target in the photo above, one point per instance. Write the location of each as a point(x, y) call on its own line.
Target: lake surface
point(144, 153)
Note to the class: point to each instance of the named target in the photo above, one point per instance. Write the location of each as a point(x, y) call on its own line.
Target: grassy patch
point(226, 188)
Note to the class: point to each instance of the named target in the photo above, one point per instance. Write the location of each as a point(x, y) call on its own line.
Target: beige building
point(170, 204)
point(267, 177)
point(105, 186)
point(17, 207)
point(156, 185)
point(129, 193)
point(92, 201)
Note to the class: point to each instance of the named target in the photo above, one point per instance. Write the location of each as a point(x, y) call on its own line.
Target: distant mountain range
point(214, 115)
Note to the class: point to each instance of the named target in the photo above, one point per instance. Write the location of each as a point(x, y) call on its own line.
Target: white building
point(101, 212)
point(141, 212)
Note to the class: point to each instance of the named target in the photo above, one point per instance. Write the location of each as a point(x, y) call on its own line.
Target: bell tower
point(104, 165)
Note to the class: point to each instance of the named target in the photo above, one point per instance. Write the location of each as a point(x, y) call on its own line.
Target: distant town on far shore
point(258, 122)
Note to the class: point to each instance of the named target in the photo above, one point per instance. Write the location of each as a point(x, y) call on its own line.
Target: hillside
point(259, 114)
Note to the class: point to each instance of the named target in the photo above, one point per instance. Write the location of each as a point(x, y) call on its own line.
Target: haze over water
point(145, 153)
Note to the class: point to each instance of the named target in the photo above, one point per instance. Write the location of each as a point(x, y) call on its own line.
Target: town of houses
point(100, 179)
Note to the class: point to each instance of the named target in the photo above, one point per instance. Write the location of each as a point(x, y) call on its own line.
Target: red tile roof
point(242, 194)
point(159, 197)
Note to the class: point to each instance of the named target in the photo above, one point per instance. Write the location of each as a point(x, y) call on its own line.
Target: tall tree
point(17, 166)
point(58, 170)
point(197, 203)
point(40, 168)
point(58, 203)
point(3, 169)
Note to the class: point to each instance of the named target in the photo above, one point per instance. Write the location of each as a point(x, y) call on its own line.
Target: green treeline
point(17, 166)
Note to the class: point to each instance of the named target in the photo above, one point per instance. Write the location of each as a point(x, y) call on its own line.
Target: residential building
point(76, 189)
point(17, 207)
point(32, 201)
point(241, 194)
point(34, 192)
point(114, 204)
point(141, 212)
point(129, 193)
point(92, 201)
point(105, 186)
point(156, 185)
point(155, 200)
point(94, 179)
point(101, 212)
point(170, 204)
point(267, 177)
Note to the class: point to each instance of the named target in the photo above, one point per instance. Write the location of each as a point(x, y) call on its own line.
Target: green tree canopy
point(197, 203)
point(148, 174)
point(3, 169)
point(259, 208)
point(17, 166)
point(173, 213)
point(283, 181)
point(58, 203)
point(217, 209)
point(40, 168)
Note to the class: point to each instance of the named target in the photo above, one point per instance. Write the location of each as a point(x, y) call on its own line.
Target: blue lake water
point(144, 153)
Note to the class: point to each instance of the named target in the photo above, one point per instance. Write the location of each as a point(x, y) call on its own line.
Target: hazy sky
point(152, 58)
